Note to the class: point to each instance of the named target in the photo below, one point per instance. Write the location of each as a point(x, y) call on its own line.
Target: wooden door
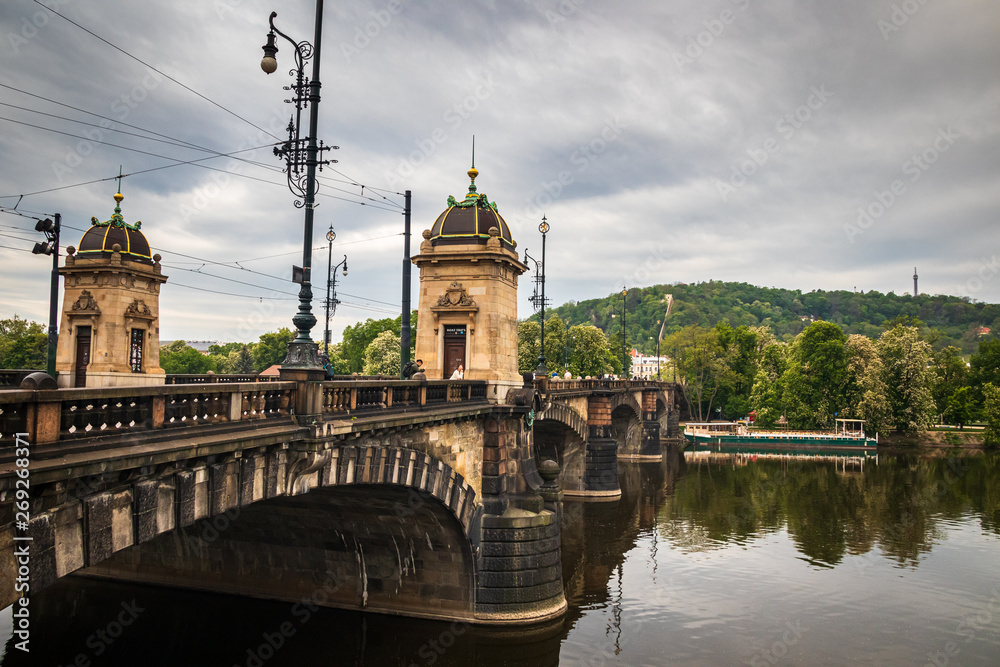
point(454, 349)
point(82, 356)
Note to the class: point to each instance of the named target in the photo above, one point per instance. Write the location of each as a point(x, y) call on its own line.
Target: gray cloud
point(624, 123)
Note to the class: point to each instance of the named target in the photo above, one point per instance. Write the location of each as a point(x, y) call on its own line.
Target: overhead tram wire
point(183, 143)
point(195, 92)
point(133, 173)
point(171, 141)
point(188, 88)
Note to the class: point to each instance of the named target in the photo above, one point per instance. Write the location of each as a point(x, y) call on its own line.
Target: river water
point(700, 562)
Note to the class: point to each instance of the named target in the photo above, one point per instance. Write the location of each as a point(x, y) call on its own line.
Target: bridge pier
point(601, 472)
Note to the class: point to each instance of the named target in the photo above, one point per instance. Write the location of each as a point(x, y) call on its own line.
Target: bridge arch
point(560, 434)
point(365, 527)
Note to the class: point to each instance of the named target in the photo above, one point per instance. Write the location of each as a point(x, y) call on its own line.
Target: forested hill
point(957, 321)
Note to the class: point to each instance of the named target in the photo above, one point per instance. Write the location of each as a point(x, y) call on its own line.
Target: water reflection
point(698, 562)
point(829, 509)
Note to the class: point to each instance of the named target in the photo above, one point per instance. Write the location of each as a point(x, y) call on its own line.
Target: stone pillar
point(650, 447)
point(601, 473)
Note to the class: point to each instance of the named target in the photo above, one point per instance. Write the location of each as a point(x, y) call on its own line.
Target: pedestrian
point(459, 373)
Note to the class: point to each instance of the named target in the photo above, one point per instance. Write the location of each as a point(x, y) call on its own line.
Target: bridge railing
point(69, 414)
point(343, 397)
point(560, 384)
point(212, 378)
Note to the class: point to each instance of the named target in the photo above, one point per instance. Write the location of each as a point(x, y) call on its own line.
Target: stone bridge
point(420, 498)
point(587, 425)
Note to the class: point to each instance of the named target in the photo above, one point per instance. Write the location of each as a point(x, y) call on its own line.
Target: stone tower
point(110, 329)
point(468, 294)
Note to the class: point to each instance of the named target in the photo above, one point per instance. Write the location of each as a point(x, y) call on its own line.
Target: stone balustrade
point(69, 414)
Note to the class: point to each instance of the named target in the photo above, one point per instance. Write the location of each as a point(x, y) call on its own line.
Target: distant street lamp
point(539, 301)
point(331, 287)
point(301, 153)
point(624, 298)
point(659, 334)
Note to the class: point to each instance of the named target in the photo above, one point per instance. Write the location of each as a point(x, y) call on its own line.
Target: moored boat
point(849, 434)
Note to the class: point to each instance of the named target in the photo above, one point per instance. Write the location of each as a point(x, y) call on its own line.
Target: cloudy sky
point(823, 144)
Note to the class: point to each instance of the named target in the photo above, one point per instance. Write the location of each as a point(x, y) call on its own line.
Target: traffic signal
point(47, 227)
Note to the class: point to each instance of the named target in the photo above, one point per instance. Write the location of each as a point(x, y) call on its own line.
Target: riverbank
point(969, 439)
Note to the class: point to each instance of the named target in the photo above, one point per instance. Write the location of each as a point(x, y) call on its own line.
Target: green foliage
point(23, 344)
point(985, 367)
point(959, 409)
point(951, 374)
point(906, 362)
point(590, 355)
point(272, 348)
point(816, 376)
point(955, 319)
point(358, 337)
point(181, 358)
point(865, 394)
point(767, 394)
point(338, 364)
point(991, 413)
point(701, 369)
point(528, 335)
point(382, 355)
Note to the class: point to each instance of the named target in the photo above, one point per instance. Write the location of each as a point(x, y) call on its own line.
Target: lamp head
point(331, 235)
point(345, 266)
point(268, 63)
point(544, 227)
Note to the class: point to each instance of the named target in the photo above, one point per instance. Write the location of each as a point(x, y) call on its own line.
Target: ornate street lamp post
point(331, 287)
point(301, 153)
point(624, 297)
point(539, 301)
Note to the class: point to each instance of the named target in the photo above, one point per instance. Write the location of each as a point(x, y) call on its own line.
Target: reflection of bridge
point(420, 497)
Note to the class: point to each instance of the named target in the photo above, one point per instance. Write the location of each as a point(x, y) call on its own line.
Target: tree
point(991, 413)
point(590, 356)
point(816, 376)
point(382, 355)
point(865, 394)
point(338, 364)
point(357, 338)
point(528, 334)
point(906, 363)
point(767, 395)
point(959, 409)
point(741, 349)
point(951, 374)
point(23, 344)
point(272, 348)
point(985, 367)
point(555, 343)
point(179, 358)
point(700, 368)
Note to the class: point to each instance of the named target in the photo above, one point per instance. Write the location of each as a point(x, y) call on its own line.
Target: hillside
point(956, 320)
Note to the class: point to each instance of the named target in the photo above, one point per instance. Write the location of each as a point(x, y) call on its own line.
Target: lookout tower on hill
point(468, 293)
point(110, 329)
